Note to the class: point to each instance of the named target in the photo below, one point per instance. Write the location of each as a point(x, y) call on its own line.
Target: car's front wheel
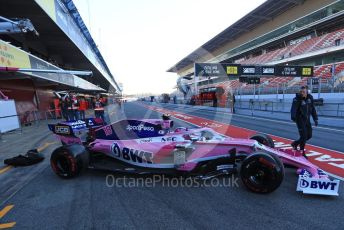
point(262, 172)
point(69, 160)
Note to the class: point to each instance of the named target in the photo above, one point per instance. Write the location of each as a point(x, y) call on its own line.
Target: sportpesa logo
point(140, 128)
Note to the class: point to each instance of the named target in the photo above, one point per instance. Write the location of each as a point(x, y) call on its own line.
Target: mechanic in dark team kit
point(301, 111)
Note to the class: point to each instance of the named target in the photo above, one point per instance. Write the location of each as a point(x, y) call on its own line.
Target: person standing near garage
point(99, 107)
point(68, 104)
point(75, 107)
point(82, 107)
point(64, 108)
point(301, 111)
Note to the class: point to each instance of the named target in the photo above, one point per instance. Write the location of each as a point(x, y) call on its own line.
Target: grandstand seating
point(310, 45)
point(324, 72)
point(330, 40)
point(305, 46)
point(288, 84)
point(339, 68)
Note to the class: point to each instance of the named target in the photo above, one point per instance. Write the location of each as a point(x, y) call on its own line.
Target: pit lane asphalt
point(48, 202)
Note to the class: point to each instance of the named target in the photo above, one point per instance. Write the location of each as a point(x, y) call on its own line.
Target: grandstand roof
point(265, 12)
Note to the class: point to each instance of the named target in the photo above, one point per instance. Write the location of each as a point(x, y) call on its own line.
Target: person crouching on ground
point(301, 111)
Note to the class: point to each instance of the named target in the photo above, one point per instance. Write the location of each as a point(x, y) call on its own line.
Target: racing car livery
point(151, 146)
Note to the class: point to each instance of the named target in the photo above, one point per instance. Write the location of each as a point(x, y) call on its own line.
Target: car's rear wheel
point(262, 172)
point(263, 139)
point(69, 160)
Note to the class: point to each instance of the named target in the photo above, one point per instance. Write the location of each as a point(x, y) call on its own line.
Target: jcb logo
point(62, 129)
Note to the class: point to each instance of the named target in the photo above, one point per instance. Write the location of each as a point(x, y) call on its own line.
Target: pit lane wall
point(331, 113)
point(278, 106)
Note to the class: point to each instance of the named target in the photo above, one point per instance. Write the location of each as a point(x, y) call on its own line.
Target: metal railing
point(282, 89)
point(327, 109)
point(35, 117)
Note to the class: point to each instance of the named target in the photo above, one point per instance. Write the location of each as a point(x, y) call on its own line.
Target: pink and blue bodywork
point(151, 143)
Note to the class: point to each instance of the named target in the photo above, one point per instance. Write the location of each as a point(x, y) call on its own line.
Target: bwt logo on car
point(318, 184)
point(133, 155)
point(140, 128)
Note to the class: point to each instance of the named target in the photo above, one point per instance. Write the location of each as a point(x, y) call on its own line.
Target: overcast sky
point(141, 39)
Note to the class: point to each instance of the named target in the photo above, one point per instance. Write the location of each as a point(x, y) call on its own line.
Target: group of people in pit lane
point(74, 107)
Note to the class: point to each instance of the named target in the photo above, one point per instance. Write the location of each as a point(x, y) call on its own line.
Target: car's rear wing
point(72, 128)
point(133, 129)
point(61, 129)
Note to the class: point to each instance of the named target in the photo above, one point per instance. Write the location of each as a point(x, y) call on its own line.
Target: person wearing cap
point(301, 111)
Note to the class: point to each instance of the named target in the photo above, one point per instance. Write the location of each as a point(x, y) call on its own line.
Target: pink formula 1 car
point(150, 146)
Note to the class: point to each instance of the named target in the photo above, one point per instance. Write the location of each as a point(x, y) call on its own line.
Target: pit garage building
point(48, 35)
